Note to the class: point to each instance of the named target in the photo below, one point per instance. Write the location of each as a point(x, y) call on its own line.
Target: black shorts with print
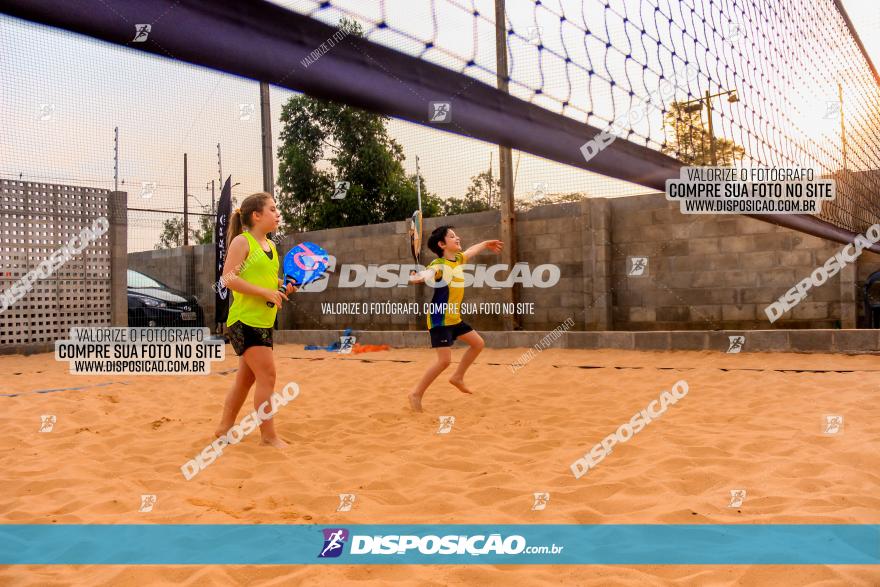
point(443, 336)
point(244, 337)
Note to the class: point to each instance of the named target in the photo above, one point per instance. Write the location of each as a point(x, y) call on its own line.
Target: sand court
point(596, 176)
point(752, 422)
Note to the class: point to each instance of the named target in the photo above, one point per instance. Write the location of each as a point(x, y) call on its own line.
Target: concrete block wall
point(380, 244)
point(718, 272)
point(553, 235)
point(704, 272)
point(868, 264)
point(549, 234)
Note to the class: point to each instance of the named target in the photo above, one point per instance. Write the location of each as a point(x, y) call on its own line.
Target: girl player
point(251, 272)
point(444, 323)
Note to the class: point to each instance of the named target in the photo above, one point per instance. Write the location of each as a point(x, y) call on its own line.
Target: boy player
point(444, 322)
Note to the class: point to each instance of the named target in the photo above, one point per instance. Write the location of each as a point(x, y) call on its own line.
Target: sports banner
point(224, 210)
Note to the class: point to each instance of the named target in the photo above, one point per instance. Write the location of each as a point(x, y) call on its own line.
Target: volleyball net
point(789, 83)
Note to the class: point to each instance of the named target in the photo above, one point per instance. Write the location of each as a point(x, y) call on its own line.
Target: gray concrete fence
point(703, 272)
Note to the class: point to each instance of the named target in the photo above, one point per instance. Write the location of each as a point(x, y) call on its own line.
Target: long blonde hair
point(241, 216)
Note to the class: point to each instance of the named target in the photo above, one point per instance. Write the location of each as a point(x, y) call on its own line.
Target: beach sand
point(744, 424)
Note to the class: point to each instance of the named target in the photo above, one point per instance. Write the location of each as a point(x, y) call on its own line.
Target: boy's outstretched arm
point(422, 276)
point(493, 245)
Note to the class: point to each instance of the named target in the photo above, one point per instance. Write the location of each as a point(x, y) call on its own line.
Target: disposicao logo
point(407, 545)
point(334, 541)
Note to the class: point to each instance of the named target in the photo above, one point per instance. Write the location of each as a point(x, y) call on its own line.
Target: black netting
point(640, 68)
point(631, 61)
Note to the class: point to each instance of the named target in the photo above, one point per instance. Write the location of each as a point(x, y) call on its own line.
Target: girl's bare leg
point(262, 363)
point(244, 378)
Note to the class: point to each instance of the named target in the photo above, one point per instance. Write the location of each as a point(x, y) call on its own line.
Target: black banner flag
point(224, 211)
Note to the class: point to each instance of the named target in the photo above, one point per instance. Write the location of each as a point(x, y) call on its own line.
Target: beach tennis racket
point(303, 264)
point(415, 235)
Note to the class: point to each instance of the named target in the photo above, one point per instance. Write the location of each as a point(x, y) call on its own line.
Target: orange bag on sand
point(369, 348)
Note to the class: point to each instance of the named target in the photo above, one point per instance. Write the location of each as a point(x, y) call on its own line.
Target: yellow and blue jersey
point(449, 295)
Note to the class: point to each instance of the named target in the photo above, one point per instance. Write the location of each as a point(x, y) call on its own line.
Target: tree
point(482, 194)
point(524, 205)
point(432, 205)
point(485, 188)
point(324, 142)
point(172, 234)
point(691, 143)
point(172, 231)
point(204, 234)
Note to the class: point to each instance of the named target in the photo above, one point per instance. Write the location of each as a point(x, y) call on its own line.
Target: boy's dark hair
point(438, 236)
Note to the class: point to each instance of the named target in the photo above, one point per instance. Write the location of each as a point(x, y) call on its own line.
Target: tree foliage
point(171, 236)
point(323, 143)
point(690, 142)
point(483, 194)
point(526, 204)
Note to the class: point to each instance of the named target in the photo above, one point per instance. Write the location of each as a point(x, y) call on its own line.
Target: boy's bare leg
point(236, 396)
point(475, 345)
point(444, 357)
point(262, 363)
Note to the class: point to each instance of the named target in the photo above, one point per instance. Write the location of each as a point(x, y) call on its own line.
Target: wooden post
point(266, 125)
point(185, 205)
point(508, 212)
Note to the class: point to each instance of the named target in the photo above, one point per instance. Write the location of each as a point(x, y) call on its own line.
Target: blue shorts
point(443, 336)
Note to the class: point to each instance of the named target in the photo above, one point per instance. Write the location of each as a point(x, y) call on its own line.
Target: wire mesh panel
point(46, 291)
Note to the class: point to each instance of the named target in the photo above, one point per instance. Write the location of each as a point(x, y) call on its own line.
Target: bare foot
point(459, 383)
point(276, 442)
point(415, 402)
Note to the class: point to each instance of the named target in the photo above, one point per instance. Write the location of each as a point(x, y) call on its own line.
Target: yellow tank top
point(262, 271)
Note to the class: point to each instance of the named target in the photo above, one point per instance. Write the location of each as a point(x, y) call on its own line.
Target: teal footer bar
point(275, 544)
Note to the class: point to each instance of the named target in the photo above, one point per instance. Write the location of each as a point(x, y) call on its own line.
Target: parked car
point(152, 303)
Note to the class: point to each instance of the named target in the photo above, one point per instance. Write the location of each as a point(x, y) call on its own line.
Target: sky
point(62, 95)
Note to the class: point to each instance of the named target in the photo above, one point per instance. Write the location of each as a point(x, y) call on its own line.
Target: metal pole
point(491, 177)
point(842, 126)
point(213, 214)
point(691, 137)
point(418, 184)
point(220, 165)
point(116, 159)
point(266, 124)
point(419, 291)
point(185, 206)
point(505, 168)
point(711, 132)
